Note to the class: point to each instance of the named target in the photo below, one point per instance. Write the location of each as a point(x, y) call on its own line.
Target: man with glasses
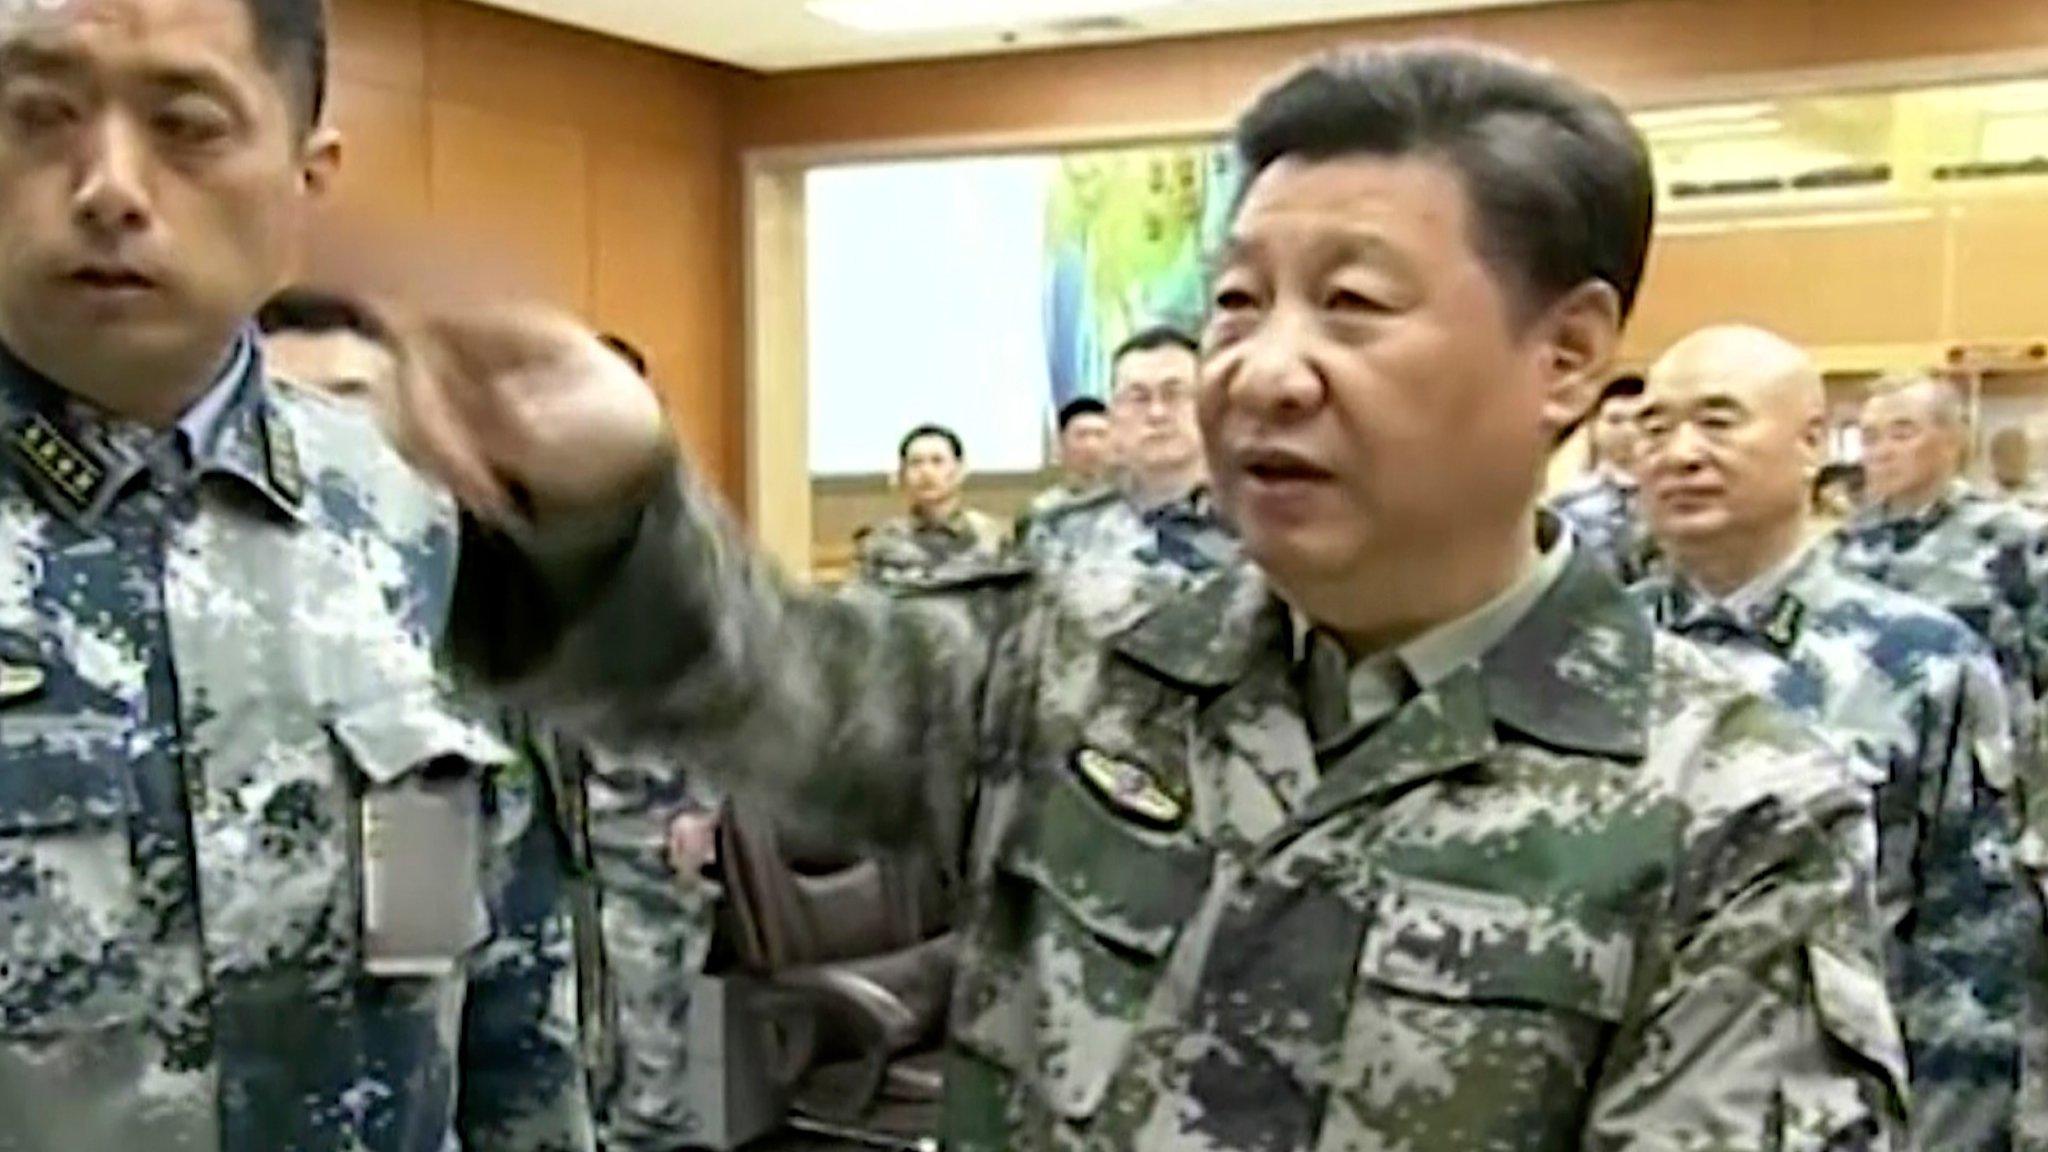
point(1159, 513)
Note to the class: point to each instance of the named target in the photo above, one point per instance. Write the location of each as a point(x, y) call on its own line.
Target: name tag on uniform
point(420, 864)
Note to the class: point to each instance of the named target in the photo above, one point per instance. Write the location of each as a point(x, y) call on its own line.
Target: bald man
point(1733, 430)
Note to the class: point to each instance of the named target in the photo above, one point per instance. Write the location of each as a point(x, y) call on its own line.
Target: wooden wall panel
point(653, 215)
point(2001, 282)
point(381, 42)
point(384, 151)
point(1796, 282)
point(603, 170)
point(519, 185)
point(1645, 50)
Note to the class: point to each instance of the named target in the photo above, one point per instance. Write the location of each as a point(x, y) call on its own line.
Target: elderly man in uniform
point(1160, 513)
point(247, 848)
point(1925, 531)
point(1734, 424)
point(939, 534)
point(1538, 876)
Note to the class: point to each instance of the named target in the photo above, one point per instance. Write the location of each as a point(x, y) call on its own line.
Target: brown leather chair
point(857, 948)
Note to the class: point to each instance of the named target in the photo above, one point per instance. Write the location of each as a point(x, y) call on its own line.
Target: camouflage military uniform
point(1052, 499)
point(1584, 892)
point(656, 930)
point(910, 551)
point(1604, 511)
point(1986, 561)
point(1182, 535)
point(1911, 691)
point(211, 661)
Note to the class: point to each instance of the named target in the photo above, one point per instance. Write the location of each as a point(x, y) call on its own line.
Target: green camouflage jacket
point(1588, 893)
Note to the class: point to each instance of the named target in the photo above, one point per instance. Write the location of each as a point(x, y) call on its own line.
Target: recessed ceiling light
point(955, 15)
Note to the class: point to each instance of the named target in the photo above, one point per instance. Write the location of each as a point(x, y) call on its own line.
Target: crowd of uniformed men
point(1307, 782)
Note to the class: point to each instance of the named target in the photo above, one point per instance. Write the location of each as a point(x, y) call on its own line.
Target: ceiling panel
point(782, 35)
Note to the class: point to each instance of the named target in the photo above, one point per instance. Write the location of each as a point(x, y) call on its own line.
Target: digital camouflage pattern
point(208, 653)
point(1912, 692)
point(1981, 559)
point(1588, 893)
point(1052, 499)
point(1606, 515)
point(1985, 560)
point(908, 551)
point(657, 930)
point(1183, 535)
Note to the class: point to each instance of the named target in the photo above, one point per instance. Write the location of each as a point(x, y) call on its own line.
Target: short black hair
point(1847, 473)
point(1073, 410)
point(1619, 388)
point(1559, 180)
point(1150, 339)
point(316, 311)
point(626, 351)
point(922, 431)
point(291, 37)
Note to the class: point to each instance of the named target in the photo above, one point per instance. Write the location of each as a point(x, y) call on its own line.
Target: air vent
point(1082, 27)
point(1819, 180)
point(1847, 176)
point(1999, 170)
point(1695, 189)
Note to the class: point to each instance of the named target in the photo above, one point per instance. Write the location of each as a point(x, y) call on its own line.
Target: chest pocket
point(69, 958)
point(420, 777)
point(1087, 902)
point(1456, 987)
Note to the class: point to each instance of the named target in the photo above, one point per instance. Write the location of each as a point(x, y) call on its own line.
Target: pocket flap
point(392, 738)
point(1132, 886)
point(62, 754)
point(1456, 943)
point(1856, 1010)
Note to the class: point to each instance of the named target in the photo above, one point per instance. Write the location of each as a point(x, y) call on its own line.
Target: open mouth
point(108, 278)
point(1279, 466)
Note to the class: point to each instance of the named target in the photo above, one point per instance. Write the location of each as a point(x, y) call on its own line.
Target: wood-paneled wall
point(611, 173)
point(1642, 50)
point(603, 171)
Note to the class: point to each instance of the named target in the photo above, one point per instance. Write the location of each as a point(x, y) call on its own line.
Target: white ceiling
point(780, 35)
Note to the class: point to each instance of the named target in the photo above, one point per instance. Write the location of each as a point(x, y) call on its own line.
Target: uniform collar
point(1950, 498)
point(78, 459)
point(1194, 504)
point(1770, 609)
point(1564, 658)
point(955, 523)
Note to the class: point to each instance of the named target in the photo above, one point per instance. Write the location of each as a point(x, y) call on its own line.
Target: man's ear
point(319, 161)
point(1577, 341)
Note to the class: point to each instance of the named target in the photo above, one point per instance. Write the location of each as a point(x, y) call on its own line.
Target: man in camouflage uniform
point(573, 816)
point(250, 857)
point(1412, 833)
point(1925, 532)
point(939, 534)
point(1087, 459)
point(1733, 424)
point(1160, 513)
point(1602, 506)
